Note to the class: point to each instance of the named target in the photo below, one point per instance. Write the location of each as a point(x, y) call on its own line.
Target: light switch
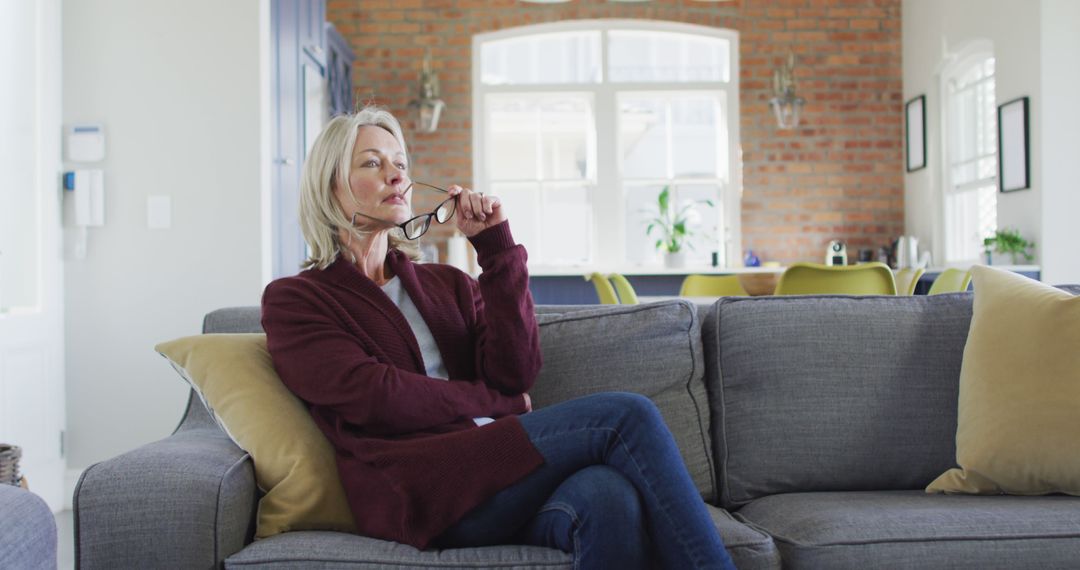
point(158, 212)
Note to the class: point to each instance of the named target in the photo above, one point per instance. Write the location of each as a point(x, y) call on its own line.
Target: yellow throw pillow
point(294, 462)
point(1018, 421)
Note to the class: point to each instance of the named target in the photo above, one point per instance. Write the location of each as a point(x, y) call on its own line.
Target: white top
point(429, 351)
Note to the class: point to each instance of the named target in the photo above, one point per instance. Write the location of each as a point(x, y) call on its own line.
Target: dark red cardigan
point(410, 457)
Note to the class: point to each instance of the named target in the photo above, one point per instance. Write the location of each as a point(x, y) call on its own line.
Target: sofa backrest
point(233, 320)
point(652, 349)
point(830, 393)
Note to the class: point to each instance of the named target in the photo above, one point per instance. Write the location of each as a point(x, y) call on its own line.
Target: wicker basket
point(9, 464)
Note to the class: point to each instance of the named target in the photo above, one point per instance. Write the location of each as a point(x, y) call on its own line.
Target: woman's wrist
point(493, 239)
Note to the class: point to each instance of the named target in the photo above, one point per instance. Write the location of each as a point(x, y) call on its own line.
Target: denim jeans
point(613, 491)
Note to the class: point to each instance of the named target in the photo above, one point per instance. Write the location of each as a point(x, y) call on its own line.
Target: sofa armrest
point(27, 530)
point(187, 501)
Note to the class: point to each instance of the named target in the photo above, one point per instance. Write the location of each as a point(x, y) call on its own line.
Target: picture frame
point(1014, 144)
point(915, 132)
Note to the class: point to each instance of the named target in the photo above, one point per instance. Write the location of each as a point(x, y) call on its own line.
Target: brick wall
point(838, 176)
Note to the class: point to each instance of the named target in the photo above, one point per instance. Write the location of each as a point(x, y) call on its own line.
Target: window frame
point(608, 201)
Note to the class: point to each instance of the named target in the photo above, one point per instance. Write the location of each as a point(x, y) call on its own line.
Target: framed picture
point(915, 119)
point(1014, 162)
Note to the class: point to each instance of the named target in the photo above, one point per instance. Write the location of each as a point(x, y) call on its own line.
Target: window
point(970, 126)
point(580, 125)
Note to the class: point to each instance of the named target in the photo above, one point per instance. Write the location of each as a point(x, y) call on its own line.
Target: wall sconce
point(786, 105)
point(428, 106)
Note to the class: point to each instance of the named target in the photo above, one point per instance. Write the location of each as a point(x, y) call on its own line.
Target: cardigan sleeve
point(508, 338)
point(325, 365)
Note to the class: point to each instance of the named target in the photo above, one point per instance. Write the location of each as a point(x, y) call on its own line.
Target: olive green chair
point(951, 280)
point(874, 278)
point(627, 296)
point(712, 286)
point(604, 291)
point(907, 279)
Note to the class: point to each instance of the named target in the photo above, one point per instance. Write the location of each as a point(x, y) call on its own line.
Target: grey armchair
point(27, 530)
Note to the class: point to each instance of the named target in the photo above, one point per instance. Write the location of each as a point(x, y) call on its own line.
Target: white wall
point(930, 29)
point(1060, 141)
point(178, 87)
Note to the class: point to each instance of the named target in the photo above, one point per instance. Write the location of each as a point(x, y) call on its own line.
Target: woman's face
point(378, 179)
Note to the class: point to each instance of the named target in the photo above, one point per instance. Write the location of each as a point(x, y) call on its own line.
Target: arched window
point(970, 176)
point(578, 127)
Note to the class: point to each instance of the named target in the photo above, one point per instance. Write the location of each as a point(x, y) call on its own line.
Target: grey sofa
point(810, 426)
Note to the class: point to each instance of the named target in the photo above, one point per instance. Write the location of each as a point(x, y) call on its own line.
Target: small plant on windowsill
point(1008, 241)
point(672, 227)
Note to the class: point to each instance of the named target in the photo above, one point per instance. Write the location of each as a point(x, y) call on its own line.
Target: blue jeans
point(613, 491)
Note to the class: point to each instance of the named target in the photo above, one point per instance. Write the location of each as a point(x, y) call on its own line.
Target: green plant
point(671, 224)
point(1009, 241)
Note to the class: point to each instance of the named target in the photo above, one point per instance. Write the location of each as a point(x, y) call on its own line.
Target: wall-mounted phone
point(88, 190)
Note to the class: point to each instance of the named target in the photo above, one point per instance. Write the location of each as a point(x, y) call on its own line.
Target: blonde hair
point(328, 165)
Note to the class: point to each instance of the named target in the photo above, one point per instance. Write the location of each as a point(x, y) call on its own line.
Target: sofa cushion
point(832, 393)
point(910, 529)
point(652, 349)
point(1019, 414)
point(315, 549)
point(750, 549)
point(294, 463)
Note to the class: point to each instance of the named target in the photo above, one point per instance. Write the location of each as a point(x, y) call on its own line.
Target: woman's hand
point(528, 402)
point(476, 212)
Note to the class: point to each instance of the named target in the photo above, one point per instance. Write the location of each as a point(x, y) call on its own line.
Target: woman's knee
point(639, 408)
point(602, 494)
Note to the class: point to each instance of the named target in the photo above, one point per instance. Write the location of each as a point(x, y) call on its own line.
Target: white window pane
point(987, 216)
point(643, 137)
point(640, 207)
point(522, 204)
point(988, 119)
point(666, 56)
point(564, 57)
point(973, 216)
point(566, 225)
point(567, 127)
point(965, 139)
point(986, 168)
point(702, 220)
point(512, 142)
point(694, 132)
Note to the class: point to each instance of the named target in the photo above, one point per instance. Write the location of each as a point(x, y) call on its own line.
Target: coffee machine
point(836, 254)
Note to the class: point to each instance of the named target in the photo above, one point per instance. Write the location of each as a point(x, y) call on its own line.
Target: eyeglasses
point(418, 226)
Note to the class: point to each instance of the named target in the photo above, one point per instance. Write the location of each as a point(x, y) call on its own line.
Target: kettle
point(907, 252)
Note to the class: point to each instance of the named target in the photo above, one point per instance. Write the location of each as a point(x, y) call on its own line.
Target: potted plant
point(670, 225)
point(1008, 241)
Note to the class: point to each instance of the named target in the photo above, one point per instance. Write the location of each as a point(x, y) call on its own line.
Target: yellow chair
point(627, 296)
point(950, 281)
point(907, 279)
point(603, 289)
point(873, 278)
point(712, 286)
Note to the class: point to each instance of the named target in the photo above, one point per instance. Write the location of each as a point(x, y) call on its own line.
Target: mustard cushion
point(1018, 419)
point(294, 462)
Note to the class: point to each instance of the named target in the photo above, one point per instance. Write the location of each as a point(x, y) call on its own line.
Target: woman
point(368, 339)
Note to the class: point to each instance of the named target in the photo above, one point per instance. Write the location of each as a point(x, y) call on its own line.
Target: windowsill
point(582, 270)
point(1013, 268)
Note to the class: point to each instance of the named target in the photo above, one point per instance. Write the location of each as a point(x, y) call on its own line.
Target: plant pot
point(675, 260)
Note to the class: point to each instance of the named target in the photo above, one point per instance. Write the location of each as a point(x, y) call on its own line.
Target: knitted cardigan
point(410, 458)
